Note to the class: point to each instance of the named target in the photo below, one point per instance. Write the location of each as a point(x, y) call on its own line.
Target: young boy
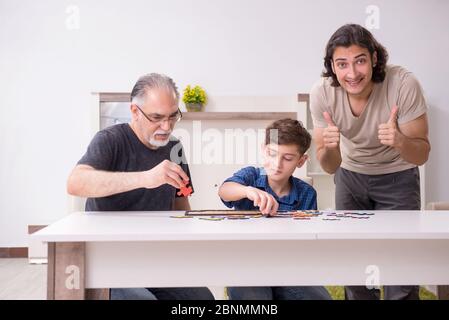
point(273, 188)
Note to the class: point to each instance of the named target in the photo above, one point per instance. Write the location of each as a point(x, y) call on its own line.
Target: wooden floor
point(20, 280)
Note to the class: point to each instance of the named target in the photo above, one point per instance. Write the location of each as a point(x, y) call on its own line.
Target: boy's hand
point(331, 134)
point(266, 202)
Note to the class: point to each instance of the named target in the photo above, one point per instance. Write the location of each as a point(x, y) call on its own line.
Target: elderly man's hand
point(166, 172)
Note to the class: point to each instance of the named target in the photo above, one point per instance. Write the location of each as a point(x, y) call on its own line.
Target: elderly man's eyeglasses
point(158, 119)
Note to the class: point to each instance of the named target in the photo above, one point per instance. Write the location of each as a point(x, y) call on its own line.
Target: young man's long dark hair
point(354, 34)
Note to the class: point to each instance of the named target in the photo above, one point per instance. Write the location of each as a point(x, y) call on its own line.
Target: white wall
point(273, 47)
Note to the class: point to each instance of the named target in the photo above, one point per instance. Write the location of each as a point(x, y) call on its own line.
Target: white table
point(150, 249)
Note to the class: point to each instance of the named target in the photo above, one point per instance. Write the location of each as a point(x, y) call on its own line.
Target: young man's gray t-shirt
point(118, 149)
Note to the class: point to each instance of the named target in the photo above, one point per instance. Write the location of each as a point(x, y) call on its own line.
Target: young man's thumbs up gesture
point(389, 133)
point(331, 134)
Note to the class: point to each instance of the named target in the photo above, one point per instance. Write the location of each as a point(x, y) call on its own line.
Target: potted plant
point(194, 98)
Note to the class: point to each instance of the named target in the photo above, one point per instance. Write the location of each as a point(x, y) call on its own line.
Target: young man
point(273, 188)
point(131, 167)
point(370, 128)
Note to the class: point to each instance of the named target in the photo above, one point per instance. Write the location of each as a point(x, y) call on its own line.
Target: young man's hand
point(266, 202)
point(166, 172)
point(331, 134)
point(389, 133)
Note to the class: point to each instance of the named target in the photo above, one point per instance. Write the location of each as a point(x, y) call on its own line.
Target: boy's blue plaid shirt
point(302, 196)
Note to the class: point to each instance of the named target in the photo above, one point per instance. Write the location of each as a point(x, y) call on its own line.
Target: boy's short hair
point(288, 131)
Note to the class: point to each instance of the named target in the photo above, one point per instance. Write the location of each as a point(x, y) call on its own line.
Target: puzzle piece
point(185, 191)
point(181, 217)
point(237, 217)
point(211, 218)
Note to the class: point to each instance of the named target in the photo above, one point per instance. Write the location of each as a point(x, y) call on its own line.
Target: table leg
point(443, 292)
point(97, 294)
point(65, 274)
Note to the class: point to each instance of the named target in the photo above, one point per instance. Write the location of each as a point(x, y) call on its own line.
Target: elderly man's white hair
point(152, 81)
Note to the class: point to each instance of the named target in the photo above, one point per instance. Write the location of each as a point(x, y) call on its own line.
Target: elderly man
point(138, 167)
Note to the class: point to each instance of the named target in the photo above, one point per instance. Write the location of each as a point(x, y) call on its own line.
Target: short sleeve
point(411, 100)
point(100, 152)
point(318, 105)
